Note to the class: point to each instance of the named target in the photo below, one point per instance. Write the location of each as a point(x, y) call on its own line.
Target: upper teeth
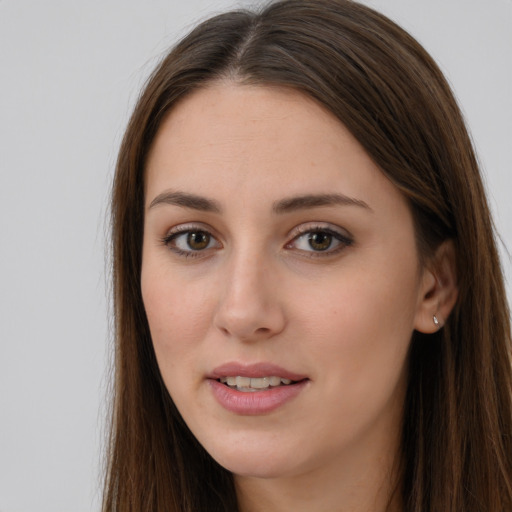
point(255, 383)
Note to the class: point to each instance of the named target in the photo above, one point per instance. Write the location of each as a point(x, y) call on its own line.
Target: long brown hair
point(379, 82)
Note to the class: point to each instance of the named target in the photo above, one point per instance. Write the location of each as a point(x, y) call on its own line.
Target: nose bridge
point(248, 306)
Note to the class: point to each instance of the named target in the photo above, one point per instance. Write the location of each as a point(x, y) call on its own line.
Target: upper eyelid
point(174, 233)
point(307, 227)
point(191, 226)
point(294, 233)
point(187, 227)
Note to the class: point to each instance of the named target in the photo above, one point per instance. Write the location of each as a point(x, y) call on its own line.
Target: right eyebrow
point(186, 200)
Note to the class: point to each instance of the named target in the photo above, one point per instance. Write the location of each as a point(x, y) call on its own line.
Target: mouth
point(255, 389)
point(255, 384)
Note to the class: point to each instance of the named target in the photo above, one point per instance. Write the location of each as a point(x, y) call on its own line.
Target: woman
point(310, 312)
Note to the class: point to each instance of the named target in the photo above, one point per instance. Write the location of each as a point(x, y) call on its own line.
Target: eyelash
point(343, 240)
point(182, 231)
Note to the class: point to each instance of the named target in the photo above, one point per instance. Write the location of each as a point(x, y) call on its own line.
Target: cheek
point(361, 330)
point(360, 300)
point(178, 321)
point(363, 338)
point(178, 315)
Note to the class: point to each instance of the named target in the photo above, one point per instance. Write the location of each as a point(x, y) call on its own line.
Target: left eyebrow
point(316, 200)
point(186, 200)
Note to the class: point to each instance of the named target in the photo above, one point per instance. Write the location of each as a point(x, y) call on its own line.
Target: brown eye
point(320, 240)
point(191, 241)
point(198, 240)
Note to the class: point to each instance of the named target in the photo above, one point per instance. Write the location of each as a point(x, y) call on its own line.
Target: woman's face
point(275, 250)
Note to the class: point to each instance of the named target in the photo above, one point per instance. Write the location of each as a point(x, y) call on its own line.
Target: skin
point(259, 292)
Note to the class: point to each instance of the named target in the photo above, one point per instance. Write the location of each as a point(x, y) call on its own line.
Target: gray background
point(70, 73)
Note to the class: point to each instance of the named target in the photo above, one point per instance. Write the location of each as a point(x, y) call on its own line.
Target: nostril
point(248, 320)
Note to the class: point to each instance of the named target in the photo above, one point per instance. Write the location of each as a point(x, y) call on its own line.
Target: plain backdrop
point(70, 72)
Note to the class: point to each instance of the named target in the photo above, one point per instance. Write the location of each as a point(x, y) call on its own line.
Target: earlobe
point(439, 291)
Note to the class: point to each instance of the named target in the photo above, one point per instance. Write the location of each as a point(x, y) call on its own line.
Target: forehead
point(229, 140)
point(240, 117)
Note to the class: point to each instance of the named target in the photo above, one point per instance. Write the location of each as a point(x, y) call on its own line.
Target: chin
point(266, 469)
point(252, 460)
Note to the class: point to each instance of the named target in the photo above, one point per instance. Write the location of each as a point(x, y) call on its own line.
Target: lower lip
point(253, 403)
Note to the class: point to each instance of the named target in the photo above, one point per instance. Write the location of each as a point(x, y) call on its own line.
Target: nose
point(249, 308)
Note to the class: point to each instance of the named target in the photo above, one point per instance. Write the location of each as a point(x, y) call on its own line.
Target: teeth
point(243, 382)
point(253, 384)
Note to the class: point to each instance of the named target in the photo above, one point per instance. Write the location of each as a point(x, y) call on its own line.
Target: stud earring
point(436, 321)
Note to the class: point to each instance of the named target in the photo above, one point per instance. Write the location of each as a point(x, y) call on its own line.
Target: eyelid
point(305, 227)
point(344, 238)
point(189, 226)
point(182, 229)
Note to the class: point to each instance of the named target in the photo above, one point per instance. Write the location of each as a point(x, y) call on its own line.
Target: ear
point(438, 290)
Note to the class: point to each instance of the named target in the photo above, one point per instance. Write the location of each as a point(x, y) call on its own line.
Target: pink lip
point(257, 402)
point(253, 370)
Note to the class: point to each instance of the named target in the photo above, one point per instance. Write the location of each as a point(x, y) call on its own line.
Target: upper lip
point(254, 370)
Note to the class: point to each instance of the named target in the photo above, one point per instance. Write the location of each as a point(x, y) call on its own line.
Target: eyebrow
point(287, 205)
point(315, 201)
point(186, 200)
